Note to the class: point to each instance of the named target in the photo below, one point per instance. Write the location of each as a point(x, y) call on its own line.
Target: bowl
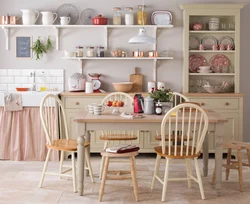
point(123, 86)
point(22, 89)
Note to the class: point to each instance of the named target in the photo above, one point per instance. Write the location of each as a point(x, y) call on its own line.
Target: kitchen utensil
point(161, 18)
point(64, 20)
point(48, 18)
point(89, 87)
point(194, 42)
point(76, 82)
point(22, 89)
point(195, 61)
point(123, 86)
point(218, 60)
point(138, 81)
point(99, 20)
point(29, 17)
point(68, 10)
point(87, 15)
point(209, 41)
point(148, 105)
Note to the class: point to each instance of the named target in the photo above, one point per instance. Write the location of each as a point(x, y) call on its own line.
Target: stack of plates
point(214, 24)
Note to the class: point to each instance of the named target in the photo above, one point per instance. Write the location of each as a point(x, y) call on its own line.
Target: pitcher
point(29, 17)
point(48, 17)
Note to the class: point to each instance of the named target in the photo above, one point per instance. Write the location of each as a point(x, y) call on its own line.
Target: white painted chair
point(194, 124)
point(113, 135)
point(51, 106)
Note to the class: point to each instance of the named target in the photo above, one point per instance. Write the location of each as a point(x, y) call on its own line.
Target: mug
point(214, 47)
point(222, 46)
point(160, 85)
point(201, 47)
point(65, 20)
point(89, 87)
point(151, 86)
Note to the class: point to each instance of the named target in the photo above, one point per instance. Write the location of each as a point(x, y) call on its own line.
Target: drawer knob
point(227, 104)
point(203, 104)
point(77, 103)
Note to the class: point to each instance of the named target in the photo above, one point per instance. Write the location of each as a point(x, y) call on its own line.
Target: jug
point(48, 17)
point(148, 106)
point(29, 17)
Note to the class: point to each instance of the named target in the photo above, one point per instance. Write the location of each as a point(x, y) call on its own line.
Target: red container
point(99, 20)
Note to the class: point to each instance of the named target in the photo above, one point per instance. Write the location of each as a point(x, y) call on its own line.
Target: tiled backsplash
point(49, 78)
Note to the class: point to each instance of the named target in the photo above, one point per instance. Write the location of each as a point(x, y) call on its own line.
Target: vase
point(166, 106)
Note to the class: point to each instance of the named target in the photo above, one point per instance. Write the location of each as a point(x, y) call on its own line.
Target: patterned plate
point(195, 61)
point(209, 41)
point(194, 42)
point(218, 60)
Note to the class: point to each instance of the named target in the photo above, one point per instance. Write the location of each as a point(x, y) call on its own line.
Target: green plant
point(38, 48)
point(162, 95)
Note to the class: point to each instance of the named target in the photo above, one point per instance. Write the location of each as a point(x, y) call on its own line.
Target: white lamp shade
point(142, 38)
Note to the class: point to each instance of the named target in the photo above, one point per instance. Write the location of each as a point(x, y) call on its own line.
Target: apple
point(109, 103)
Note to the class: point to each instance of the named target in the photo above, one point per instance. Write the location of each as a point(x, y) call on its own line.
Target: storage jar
point(129, 16)
point(79, 51)
point(90, 51)
point(117, 17)
point(142, 15)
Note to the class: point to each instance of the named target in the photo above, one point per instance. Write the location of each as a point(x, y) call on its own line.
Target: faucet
point(33, 74)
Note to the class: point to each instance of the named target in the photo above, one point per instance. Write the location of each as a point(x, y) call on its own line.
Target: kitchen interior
point(85, 57)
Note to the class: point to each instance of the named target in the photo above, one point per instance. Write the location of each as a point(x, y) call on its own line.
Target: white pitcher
point(29, 17)
point(48, 17)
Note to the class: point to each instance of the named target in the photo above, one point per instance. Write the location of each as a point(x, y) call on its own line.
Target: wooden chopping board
point(138, 80)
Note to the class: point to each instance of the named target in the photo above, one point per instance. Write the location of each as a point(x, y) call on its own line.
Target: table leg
point(81, 162)
point(219, 133)
point(87, 139)
point(205, 155)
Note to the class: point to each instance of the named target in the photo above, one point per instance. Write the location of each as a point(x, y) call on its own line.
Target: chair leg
point(89, 166)
point(61, 162)
point(240, 169)
point(45, 168)
point(102, 160)
point(104, 177)
point(134, 178)
point(165, 182)
point(156, 171)
point(73, 171)
point(199, 178)
point(189, 171)
point(229, 152)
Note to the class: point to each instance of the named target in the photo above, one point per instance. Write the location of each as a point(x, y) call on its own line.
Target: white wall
point(169, 71)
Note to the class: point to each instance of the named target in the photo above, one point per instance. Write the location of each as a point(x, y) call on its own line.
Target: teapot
point(48, 17)
point(148, 106)
point(29, 17)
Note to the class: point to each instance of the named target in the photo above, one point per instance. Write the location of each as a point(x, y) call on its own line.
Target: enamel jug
point(29, 17)
point(148, 106)
point(48, 17)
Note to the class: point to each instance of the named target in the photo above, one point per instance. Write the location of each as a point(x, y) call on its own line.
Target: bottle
point(158, 108)
point(142, 15)
point(79, 51)
point(129, 16)
point(100, 51)
point(117, 17)
point(90, 51)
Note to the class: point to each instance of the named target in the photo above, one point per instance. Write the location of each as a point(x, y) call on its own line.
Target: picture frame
point(23, 45)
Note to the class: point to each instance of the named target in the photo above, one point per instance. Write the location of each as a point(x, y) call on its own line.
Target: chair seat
point(118, 137)
point(158, 151)
point(65, 145)
point(158, 137)
point(129, 154)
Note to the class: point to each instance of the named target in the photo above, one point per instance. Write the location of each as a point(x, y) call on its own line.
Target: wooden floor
point(19, 184)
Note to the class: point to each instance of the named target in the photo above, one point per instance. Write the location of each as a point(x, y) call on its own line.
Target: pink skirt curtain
point(22, 137)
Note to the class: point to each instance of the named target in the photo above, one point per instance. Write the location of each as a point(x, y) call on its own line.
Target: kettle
point(148, 106)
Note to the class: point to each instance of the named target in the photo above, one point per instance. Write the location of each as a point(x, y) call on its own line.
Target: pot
point(99, 20)
point(29, 17)
point(4, 20)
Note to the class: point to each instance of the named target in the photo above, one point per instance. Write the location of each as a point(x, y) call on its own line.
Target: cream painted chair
point(52, 106)
point(112, 135)
point(194, 124)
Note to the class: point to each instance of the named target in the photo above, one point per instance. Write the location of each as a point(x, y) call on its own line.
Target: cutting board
point(138, 80)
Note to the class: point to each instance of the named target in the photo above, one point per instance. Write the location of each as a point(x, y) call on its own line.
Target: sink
point(30, 98)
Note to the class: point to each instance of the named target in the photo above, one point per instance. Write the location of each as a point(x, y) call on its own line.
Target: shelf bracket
point(6, 32)
point(57, 37)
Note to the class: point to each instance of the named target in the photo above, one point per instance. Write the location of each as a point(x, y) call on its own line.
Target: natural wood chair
point(119, 174)
point(236, 164)
point(51, 105)
point(113, 135)
point(193, 125)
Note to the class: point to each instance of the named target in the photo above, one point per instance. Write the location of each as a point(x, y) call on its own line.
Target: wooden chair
point(51, 106)
point(113, 135)
point(119, 174)
point(193, 124)
point(236, 164)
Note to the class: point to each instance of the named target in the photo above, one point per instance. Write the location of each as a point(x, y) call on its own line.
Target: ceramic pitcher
point(48, 17)
point(29, 17)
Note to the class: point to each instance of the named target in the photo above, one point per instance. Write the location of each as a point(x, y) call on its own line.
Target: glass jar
point(129, 16)
point(142, 15)
point(100, 51)
point(117, 17)
point(79, 51)
point(90, 51)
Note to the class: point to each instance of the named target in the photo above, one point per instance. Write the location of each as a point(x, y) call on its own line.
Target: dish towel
point(13, 102)
point(122, 148)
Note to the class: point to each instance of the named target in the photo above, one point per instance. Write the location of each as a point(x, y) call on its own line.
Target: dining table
point(87, 122)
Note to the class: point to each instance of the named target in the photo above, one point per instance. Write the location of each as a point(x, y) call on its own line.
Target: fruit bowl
point(123, 86)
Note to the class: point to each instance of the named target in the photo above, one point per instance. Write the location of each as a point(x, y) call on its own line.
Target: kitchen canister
point(151, 86)
point(89, 87)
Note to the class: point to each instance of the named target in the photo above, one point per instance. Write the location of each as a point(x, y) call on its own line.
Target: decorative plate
point(218, 60)
point(194, 42)
point(195, 61)
point(161, 18)
point(68, 10)
point(209, 41)
point(226, 40)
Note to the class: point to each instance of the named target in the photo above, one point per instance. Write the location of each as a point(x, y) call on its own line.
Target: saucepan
point(4, 20)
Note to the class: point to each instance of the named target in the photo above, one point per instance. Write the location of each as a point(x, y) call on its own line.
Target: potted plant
point(164, 96)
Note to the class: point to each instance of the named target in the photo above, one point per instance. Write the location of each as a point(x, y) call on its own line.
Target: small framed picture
point(23, 45)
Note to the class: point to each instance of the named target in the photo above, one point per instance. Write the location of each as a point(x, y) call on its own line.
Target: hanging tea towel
point(13, 102)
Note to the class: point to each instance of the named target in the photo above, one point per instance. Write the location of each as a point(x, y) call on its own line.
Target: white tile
point(3, 87)
point(26, 72)
point(56, 72)
point(60, 80)
point(41, 72)
point(14, 72)
point(3, 72)
point(21, 80)
point(6, 80)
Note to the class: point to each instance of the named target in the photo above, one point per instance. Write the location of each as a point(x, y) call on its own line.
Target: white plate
point(161, 18)
point(209, 41)
point(194, 42)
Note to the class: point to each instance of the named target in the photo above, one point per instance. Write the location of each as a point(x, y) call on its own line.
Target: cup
point(214, 47)
point(98, 109)
point(222, 47)
point(229, 47)
point(151, 86)
point(201, 47)
point(160, 85)
point(89, 87)
point(65, 20)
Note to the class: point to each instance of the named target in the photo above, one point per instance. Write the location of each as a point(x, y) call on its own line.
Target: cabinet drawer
point(80, 102)
point(218, 103)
